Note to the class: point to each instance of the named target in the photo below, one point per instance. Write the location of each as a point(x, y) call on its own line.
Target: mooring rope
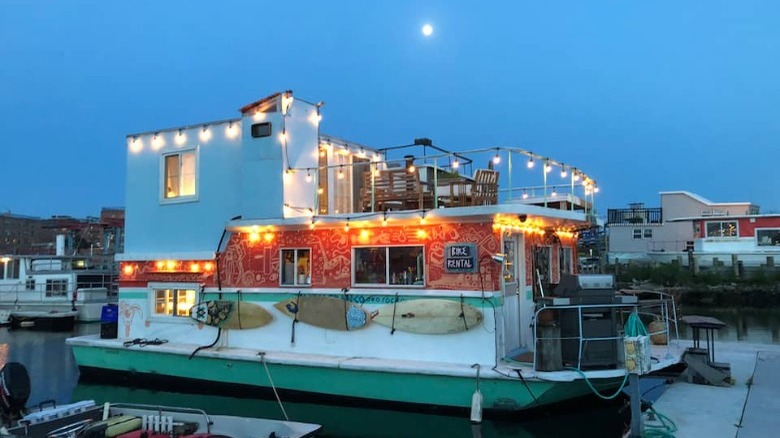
point(395, 303)
point(463, 313)
point(268, 373)
point(295, 318)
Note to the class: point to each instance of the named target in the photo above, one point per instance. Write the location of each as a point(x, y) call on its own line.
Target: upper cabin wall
point(265, 187)
point(189, 224)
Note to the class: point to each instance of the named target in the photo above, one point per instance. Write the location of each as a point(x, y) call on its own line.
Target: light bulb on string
point(497, 158)
point(563, 171)
point(308, 175)
point(455, 163)
point(530, 163)
point(341, 172)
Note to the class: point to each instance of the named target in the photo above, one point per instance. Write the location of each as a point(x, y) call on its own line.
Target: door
point(514, 275)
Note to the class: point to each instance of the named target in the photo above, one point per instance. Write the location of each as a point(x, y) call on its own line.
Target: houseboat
point(261, 254)
point(52, 292)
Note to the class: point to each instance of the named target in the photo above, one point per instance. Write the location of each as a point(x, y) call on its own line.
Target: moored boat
point(394, 276)
point(39, 285)
point(85, 419)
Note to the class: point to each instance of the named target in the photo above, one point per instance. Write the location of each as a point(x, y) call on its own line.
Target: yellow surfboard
point(428, 316)
point(326, 312)
point(230, 314)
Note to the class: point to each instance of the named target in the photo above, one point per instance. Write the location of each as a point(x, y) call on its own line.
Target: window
point(565, 261)
point(509, 253)
point(56, 287)
point(637, 233)
point(296, 267)
point(722, 229)
point(261, 130)
point(9, 269)
point(176, 302)
point(768, 236)
point(179, 177)
point(648, 233)
point(29, 284)
point(389, 265)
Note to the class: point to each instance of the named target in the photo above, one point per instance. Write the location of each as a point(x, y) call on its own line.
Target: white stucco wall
point(157, 226)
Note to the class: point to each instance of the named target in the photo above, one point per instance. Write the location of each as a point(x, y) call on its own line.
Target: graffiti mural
point(257, 264)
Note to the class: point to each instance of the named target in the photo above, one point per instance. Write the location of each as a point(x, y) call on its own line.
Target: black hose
point(219, 333)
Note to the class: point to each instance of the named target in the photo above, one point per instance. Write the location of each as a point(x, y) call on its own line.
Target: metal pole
point(636, 405)
point(544, 178)
point(509, 172)
point(435, 188)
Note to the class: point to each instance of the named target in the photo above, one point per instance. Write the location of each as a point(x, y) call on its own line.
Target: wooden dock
point(746, 409)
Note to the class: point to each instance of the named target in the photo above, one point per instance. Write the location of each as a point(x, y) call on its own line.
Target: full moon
point(427, 30)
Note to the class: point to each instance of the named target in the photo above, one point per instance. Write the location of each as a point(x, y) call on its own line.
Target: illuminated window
point(296, 267)
point(175, 302)
point(722, 229)
point(389, 265)
point(179, 175)
point(56, 287)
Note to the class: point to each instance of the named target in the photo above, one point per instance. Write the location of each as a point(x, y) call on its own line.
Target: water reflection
point(759, 326)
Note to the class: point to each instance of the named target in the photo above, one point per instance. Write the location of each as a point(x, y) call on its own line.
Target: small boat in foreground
point(86, 419)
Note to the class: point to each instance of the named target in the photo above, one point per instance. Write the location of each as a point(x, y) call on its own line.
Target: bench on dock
point(700, 360)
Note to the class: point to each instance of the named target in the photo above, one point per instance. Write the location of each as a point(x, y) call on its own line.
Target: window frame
point(647, 233)
point(387, 282)
point(637, 233)
point(769, 229)
point(721, 236)
point(152, 300)
point(60, 291)
point(295, 282)
point(163, 176)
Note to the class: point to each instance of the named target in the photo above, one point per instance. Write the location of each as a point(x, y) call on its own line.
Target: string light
point(205, 134)
point(412, 168)
point(320, 190)
point(341, 172)
point(181, 138)
point(311, 225)
point(283, 135)
point(157, 141)
point(547, 166)
point(455, 163)
point(563, 171)
point(554, 192)
point(595, 189)
point(525, 194)
point(136, 145)
point(308, 175)
point(530, 163)
point(231, 131)
point(575, 174)
point(384, 219)
point(346, 226)
point(497, 158)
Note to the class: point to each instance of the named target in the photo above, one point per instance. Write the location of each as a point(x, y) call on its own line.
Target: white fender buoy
point(476, 401)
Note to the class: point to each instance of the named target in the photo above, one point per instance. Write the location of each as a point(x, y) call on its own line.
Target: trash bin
point(109, 317)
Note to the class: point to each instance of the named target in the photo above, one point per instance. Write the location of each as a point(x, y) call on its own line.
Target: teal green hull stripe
point(397, 387)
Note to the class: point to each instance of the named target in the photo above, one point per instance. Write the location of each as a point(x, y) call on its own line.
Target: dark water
point(54, 375)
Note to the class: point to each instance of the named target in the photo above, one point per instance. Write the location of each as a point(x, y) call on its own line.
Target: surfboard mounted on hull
point(230, 314)
point(428, 316)
point(325, 312)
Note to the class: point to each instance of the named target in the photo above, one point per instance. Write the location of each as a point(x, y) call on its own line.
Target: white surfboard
point(428, 316)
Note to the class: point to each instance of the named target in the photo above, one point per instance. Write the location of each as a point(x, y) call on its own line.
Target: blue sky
point(645, 96)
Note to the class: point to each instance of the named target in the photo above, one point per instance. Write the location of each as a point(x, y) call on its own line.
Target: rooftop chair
point(484, 189)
